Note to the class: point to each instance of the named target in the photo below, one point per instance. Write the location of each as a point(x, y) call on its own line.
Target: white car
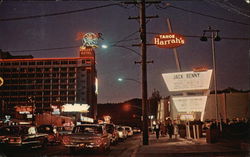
point(129, 130)
point(122, 133)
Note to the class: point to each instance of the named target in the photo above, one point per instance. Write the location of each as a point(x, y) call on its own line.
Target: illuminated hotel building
point(47, 81)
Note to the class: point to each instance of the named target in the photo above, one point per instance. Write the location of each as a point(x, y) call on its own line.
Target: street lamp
point(214, 37)
point(129, 79)
point(105, 46)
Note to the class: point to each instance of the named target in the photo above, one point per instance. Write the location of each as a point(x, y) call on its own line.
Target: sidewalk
point(182, 147)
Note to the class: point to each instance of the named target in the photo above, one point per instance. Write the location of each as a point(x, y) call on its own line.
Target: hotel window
point(31, 70)
point(6, 63)
point(71, 98)
point(15, 63)
point(38, 70)
point(71, 74)
point(71, 69)
point(64, 62)
point(32, 63)
point(56, 62)
point(39, 75)
point(55, 69)
point(55, 87)
point(63, 93)
point(39, 63)
point(71, 86)
point(47, 63)
point(72, 62)
point(71, 80)
point(63, 74)
point(63, 69)
point(47, 87)
point(23, 63)
point(55, 93)
point(63, 81)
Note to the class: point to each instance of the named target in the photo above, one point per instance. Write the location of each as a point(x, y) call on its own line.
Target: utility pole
point(143, 62)
point(144, 72)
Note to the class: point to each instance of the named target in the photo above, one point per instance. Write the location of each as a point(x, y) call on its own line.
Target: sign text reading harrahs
point(169, 40)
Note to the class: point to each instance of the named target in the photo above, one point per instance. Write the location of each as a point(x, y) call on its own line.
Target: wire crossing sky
point(49, 28)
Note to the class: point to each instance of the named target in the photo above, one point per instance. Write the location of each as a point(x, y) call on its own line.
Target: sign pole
point(174, 49)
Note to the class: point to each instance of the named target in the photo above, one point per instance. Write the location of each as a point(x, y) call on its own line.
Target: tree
point(153, 102)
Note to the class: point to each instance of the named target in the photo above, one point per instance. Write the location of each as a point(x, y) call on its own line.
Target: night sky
point(187, 18)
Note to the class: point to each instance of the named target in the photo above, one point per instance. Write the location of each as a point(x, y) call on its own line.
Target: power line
point(59, 13)
point(167, 5)
point(115, 45)
point(197, 36)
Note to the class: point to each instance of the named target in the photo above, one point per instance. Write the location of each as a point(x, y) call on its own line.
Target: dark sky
point(60, 31)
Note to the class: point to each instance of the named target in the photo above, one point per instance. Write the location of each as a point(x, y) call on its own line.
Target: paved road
point(122, 149)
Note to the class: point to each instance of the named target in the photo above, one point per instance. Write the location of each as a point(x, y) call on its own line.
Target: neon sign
point(1, 81)
point(75, 108)
point(169, 40)
point(89, 39)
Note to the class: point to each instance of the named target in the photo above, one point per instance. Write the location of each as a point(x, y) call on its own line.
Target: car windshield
point(120, 129)
point(13, 130)
point(88, 129)
point(110, 128)
point(45, 129)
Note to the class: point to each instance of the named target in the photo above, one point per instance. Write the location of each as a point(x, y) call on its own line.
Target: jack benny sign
point(169, 40)
point(188, 81)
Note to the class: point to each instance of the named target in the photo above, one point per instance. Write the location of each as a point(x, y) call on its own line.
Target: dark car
point(22, 136)
point(87, 136)
point(53, 134)
point(113, 133)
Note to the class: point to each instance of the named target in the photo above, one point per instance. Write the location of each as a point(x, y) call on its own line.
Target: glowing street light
point(128, 79)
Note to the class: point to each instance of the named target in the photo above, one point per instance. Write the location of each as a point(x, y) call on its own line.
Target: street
point(121, 149)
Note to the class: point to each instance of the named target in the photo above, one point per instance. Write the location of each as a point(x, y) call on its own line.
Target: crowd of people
point(235, 128)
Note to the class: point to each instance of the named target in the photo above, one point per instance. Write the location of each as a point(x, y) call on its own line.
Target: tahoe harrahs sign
point(169, 40)
point(189, 81)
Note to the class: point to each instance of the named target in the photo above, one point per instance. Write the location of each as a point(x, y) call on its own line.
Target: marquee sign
point(75, 108)
point(188, 81)
point(169, 40)
point(24, 109)
point(190, 103)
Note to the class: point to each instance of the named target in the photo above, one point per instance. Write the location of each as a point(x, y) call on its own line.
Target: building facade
point(230, 106)
point(44, 82)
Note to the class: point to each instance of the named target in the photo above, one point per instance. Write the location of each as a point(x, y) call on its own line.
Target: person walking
point(157, 131)
point(170, 129)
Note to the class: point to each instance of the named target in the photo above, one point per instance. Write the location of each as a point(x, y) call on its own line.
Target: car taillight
point(99, 141)
point(51, 137)
point(66, 140)
point(15, 140)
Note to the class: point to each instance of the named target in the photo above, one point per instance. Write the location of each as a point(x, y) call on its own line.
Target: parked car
point(112, 131)
point(122, 133)
point(129, 130)
point(64, 130)
point(136, 130)
point(53, 135)
point(87, 136)
point(22, 136)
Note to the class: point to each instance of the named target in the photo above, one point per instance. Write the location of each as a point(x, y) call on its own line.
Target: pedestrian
point(170, 129)
point(176, 130)
point(157, 131)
